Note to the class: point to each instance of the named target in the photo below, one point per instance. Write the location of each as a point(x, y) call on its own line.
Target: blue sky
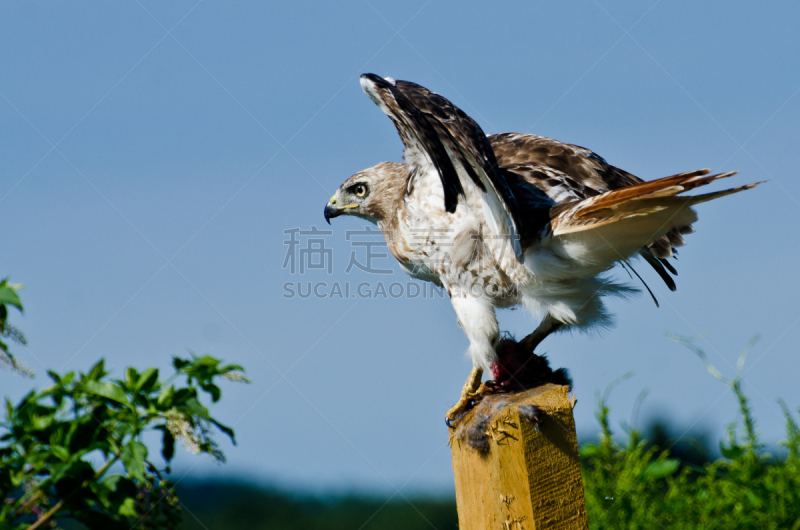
point(154, 153)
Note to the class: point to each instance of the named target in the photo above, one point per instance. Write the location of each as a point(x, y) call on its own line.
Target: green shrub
point(640, 486)
point(59, 445)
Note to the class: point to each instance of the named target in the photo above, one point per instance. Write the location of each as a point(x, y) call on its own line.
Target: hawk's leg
point(477, 318)
point(472, 390)
point(545, 328)
point(518, 367)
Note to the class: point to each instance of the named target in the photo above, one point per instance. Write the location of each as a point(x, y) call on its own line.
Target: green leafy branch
point(9, 297)
point(50, 440)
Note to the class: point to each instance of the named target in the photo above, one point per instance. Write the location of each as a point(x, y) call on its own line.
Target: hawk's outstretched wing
point(567, 172)
point(615, 224)
point(439, 136)
point(564, 171)
point(532, 186)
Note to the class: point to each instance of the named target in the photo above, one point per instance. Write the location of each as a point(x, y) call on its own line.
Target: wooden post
point(514, 475)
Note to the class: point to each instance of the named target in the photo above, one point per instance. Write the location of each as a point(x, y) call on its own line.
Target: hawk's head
point(372, 194)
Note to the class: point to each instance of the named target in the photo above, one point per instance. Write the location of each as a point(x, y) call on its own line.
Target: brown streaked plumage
point(512, 219)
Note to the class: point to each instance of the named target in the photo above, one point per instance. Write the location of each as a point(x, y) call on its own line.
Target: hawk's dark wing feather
point(568, 173)
point(434, 129)
point(417, 134)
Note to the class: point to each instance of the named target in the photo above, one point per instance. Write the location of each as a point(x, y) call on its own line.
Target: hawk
point(513, 219)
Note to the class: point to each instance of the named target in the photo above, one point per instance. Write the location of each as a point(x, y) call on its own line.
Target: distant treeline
point(238, 505)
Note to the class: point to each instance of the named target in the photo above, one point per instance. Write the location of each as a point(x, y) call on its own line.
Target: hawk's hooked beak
point(333, 209)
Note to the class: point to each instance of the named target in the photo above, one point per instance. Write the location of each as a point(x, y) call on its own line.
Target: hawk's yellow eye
point(360, 190)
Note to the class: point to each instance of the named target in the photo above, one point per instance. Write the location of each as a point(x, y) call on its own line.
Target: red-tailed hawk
point(512, 219)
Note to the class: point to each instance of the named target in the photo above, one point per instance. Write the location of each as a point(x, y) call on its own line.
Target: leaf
point(40, 423)
point(123, 429)
point(206, 360)
point(165, 397)
point(120, 488)
point(662, 468)
point(753, 498)
point(128, 507)
point(107, 390)
point(133, 457)
point(55, 377)
point(182, 395)
point(102, 489)
point(112, 492)
point(72, 477)
point(179, 363)
point(589, 450)
point(147, 380)
point(131, 376)
point(9, 296)
point(195, 408)
point(168, 445)
point(230, 368)
point(731, 453)
point(213, 390)
point(224, 428)
point(60, 452)
point(98, 370)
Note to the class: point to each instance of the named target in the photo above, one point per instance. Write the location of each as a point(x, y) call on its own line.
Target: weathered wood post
point(513, 474)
